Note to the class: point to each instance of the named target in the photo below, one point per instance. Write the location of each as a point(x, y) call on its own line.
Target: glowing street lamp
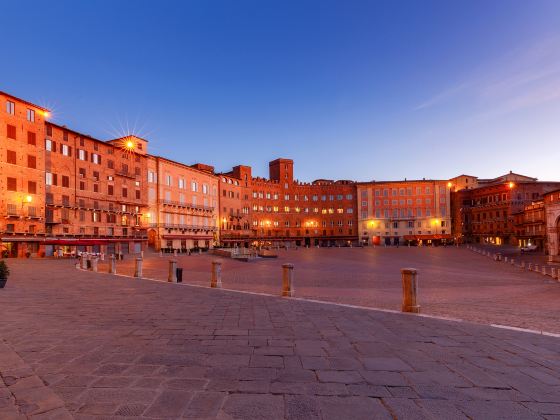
point(511, 185)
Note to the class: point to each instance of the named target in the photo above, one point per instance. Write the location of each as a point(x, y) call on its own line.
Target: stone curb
point(345, 305)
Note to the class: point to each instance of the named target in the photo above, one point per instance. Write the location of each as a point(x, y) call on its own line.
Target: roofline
point(401, 181)
point(24, 101)
point(129, 135)
point(87, 136)
point(181, 164)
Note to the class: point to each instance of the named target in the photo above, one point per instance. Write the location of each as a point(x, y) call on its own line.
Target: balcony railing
point(187, 205)
point(182, 226)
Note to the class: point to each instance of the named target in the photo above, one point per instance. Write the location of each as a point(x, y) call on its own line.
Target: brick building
point(530, 225)
point(484, 214)
point(22, 169)
point(402, 212)
point(183, 205)
point(283, 210)
point(552, 216)
point(235, 207)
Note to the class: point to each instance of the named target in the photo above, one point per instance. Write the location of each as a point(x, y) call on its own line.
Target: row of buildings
point(64, 190)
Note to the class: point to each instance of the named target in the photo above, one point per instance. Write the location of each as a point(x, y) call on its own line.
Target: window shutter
point(54, 179)
point(54, 146)
point(69, 151)
point(85, 155)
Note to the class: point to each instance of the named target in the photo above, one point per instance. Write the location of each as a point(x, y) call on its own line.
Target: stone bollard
point(138, 268)
point(553, 272)
point(288, 280)
point(175, 253)
point(161, 252)
point(410, 290)
point(216, 275)
point(94, 261)
point(506, 259)
point(530, 266)
point(512, 261)
point(113, 264)
point(523, 265)
point(543, 270)
point(199, 251)
point(142, 254)
point(536, 269)
point(172, 277)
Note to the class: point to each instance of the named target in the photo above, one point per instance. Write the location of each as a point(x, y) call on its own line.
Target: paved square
point(454, 283)
point(98, 346)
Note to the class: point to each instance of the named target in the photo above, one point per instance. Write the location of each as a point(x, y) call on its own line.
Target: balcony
point(187, 205)
point(125, 174)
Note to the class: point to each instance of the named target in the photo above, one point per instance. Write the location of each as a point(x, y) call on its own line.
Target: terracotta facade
point(485, 214)
point(552, 216)
point(183, 205)
point(402, 212)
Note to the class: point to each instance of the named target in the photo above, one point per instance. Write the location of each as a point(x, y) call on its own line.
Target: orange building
point(285, 211)
point(485, 214)
point(235, 207)
point(552, 220)
point(22, 172)
point(183, 205)
point(402, 212)
point(530, 225)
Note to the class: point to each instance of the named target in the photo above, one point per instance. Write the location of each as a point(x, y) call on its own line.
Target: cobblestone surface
point(455, 283)
point(114, 347)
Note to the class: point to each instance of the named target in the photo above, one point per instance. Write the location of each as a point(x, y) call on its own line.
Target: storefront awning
point(427, 237)
point(186, 237)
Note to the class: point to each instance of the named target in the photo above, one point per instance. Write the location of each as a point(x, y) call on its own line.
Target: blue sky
point(348, 89)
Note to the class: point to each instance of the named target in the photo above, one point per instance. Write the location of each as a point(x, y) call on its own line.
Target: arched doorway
point(152, 236)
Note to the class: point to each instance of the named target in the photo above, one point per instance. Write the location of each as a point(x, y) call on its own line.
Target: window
point(10, 107)
point(11, 131)
point(31, 162)
point(194, 186)
point(95, 158)
point(110, 190)
point(31, 138)
point(66, 181)
point(151, 176)
point(12, 184)
point(65, 149)
point(137, 194)
point(82, 154)
point(48, 178)
point(168, 180)
point(31, 187)
point(110, 164)
point(82, 185)
point(48, 145)
point(11, 157)
point(181, 182)
point(205, 189)
point(125, 192)
point(30, 115)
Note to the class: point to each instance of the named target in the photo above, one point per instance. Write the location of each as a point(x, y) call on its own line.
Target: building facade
point(552, 216)
point(530, 226)
point(403, 212)
point(281, 210)
point(485, 214)
point(235, 208)
point(182, 205)
point(62, 191)
point(22, 169)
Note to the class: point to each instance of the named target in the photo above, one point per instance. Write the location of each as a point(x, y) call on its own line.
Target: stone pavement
point(454, 283)
point(115, 347)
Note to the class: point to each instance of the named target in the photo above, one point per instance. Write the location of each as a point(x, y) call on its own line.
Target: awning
point(186, 237)
point(86, 242)
point(427, 237)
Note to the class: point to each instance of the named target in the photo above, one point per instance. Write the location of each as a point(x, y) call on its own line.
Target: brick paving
point(115, 347)
point(455, 283)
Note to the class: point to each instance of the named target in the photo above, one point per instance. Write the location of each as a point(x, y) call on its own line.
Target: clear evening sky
point(348, 89)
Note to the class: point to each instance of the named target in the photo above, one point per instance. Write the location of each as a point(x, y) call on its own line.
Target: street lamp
point(26, 200)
